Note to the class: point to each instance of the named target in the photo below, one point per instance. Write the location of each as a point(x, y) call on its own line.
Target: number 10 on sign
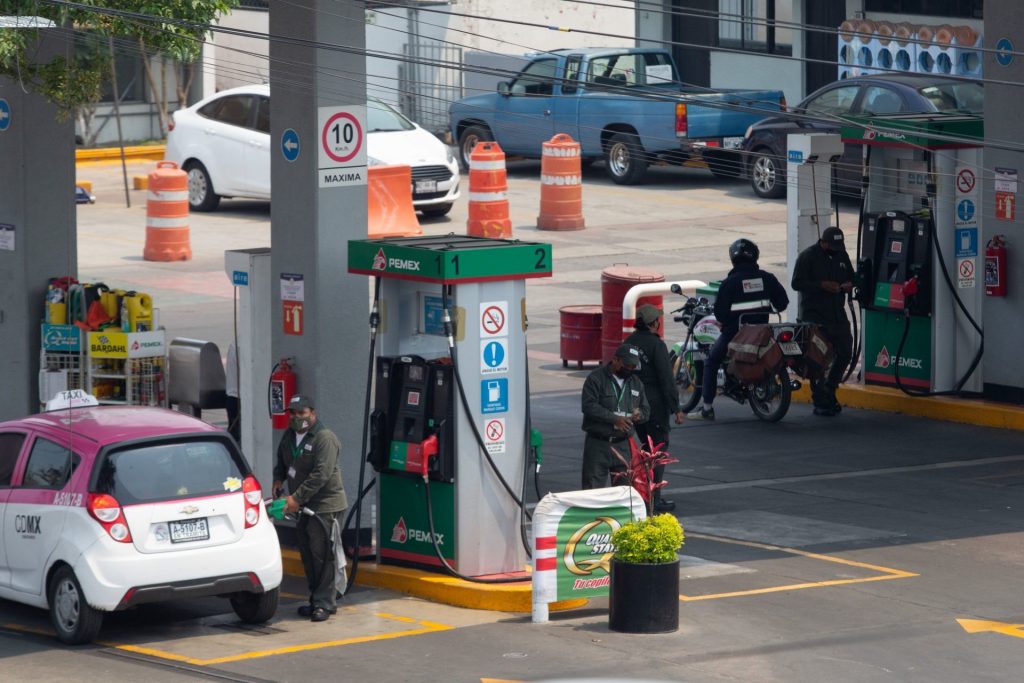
point(342, 136)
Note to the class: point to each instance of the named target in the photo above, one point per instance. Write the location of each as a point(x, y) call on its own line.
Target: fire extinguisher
point(995, 266)
point(282, 388)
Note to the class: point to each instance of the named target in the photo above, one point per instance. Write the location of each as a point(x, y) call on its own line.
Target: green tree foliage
point(74, 79)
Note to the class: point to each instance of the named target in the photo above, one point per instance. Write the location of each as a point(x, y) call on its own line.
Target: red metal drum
point(615, 282)
point(580, 334)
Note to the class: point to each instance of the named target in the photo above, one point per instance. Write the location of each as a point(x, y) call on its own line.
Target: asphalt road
point(867, 547)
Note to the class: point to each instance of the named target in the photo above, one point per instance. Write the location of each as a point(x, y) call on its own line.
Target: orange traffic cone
point(488, 193)
point(389, 209)
point(167, 236)
point(561, 189)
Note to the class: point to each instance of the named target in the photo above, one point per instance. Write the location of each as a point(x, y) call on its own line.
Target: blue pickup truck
point(623, 105)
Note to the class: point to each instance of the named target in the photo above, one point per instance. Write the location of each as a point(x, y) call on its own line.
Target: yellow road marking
point(982, 626)
point(885, 573)
point(294, 596)
point(426, 627)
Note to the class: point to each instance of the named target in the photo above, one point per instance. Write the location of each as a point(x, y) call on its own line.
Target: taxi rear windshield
point(163, 471)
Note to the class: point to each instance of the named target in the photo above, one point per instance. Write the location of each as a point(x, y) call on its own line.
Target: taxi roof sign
point(73, 398)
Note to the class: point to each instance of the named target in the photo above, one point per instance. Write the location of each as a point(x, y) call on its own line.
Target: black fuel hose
point(374, 325)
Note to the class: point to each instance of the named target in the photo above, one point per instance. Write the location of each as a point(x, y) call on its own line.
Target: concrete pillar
point(808, 198)
point(314, 213)
point(1004, 324)
point(37, 212)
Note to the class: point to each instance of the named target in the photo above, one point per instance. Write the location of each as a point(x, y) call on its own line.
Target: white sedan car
point(223, 143)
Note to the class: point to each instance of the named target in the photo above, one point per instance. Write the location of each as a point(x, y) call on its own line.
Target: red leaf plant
point(639, 470)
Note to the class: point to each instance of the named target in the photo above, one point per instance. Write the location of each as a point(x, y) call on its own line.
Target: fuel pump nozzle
point(428, 450)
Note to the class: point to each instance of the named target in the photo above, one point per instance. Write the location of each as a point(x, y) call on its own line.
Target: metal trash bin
point(196, 377)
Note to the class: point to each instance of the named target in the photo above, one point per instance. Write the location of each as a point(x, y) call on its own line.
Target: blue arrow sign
point(1004, 51)
point(290, 145)
point(5, 114)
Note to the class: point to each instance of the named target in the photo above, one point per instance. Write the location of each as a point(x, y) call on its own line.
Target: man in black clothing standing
point(660, 388)
point(613, 403)
point(746, 283)
point(823, 275)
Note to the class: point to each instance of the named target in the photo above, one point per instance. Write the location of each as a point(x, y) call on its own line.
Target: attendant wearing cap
point(613, 403)
point(659, 387)
point(823, 275)
point(307, 459)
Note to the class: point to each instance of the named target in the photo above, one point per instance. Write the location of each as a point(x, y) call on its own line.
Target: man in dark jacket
point(745, 284)
point(823, 275)
point(659, 387)
point(613, 402)
point(307, 458)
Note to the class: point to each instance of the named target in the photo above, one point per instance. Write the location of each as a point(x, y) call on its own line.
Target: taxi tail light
point(253, 500)
point(682, 125)
point(107, 511)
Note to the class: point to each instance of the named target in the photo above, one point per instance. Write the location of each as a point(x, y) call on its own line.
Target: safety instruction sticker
point(966, 242)
point(493, 356)
point(965, 273)
point(293, 287)
point(6, 237)
point(494, 319)
point(494, 435)
point(494, 395)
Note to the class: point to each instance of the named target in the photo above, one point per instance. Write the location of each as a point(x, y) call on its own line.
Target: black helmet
point(743, 251)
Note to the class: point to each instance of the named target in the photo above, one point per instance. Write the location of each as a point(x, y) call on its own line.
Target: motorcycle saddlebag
point(817, 353)
point(753, 353)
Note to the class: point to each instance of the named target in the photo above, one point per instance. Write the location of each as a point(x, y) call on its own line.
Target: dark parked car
point(764, 145)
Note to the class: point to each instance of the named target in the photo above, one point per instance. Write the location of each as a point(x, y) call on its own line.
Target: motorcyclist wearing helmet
point(746, 282)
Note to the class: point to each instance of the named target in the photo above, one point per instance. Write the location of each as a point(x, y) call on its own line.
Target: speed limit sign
point(342, 150)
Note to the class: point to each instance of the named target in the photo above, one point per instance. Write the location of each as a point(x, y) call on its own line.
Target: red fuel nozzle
point(428, 449)
point(910, 287)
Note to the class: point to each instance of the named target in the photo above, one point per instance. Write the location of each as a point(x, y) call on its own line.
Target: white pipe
point(651, 289)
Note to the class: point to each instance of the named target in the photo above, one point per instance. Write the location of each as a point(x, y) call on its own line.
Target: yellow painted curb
point(501, 597)
point(141, 152)
point(140, 182)
point(965, 411)
point(84, 184)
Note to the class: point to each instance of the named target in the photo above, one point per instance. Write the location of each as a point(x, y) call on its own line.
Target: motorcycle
point(769, 399)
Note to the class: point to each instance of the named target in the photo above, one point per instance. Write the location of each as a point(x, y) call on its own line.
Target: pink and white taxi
point(103, 508)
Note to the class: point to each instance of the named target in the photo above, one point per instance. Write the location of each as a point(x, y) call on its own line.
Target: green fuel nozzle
point(275, 508)
point(536, 442)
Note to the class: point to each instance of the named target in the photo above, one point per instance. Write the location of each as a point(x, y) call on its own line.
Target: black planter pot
point(644, 598)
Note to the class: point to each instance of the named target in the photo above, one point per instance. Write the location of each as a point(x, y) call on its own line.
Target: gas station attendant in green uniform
point(307, 458)
point(613, 402)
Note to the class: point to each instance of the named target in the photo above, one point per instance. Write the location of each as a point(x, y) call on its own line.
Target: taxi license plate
point(732, 143)
point(189, 530)
point(790, 348)
point(421, 186)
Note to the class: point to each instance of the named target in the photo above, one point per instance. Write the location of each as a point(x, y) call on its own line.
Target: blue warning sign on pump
point(966, 242)
point(494, 395)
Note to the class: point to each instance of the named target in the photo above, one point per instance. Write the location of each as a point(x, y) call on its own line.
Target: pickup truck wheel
point(624, 159)
point(467, 141)
point(767, 175)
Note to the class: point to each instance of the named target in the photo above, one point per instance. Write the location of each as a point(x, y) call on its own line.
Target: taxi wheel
point(73, 619)
point(255, 608)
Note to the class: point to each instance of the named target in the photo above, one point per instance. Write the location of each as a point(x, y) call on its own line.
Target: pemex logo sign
point(883, 359)
point(400, 532)
point(380, 261)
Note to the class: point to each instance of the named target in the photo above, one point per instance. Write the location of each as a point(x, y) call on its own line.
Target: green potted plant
point(644, 588)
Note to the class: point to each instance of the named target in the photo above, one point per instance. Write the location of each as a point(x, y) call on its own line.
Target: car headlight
point(372, 161)
point(750, 129)
point(451, 154)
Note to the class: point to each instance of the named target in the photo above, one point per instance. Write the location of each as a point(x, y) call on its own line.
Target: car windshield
point(380, 118)
point(167, 471)
point(955, 97)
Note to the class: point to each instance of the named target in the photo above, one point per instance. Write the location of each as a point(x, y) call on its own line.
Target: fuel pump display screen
point(898, 225)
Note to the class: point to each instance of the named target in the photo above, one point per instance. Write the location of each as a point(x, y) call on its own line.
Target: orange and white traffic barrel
point(167, 232)
point(561, 185)
point(488, 193)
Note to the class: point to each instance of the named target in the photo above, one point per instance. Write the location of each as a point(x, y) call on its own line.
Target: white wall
point(733, 70)
point(652, 28)
point(488, 35)
point(235, 60)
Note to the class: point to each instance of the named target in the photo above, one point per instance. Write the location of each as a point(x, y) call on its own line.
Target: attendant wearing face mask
point(613, 402)
point(307, 458)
